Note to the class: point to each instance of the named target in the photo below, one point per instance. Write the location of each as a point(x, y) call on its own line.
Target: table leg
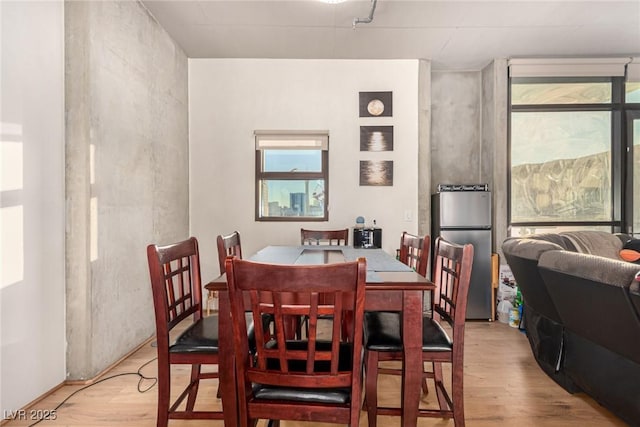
point(412, 364)
point(226, 361)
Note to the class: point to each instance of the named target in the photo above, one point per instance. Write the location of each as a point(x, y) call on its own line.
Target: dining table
point(390, 286)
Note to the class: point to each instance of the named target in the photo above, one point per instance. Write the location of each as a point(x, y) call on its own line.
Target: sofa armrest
point(634, 291)
point(522, 256)
point(590, 267)
point(591, 295)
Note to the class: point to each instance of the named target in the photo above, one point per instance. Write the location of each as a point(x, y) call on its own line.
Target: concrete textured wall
point(456, 144)
point(424, 147)
point(127, 173)
point(32, 304)
point(495, 84)
point(469, 134)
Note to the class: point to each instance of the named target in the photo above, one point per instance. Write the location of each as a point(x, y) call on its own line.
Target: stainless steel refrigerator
point(465, 217)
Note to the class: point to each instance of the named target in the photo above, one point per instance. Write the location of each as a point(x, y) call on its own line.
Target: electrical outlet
point(408, 215)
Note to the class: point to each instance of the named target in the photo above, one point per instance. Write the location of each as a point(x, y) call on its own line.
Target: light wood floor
point(503, 387)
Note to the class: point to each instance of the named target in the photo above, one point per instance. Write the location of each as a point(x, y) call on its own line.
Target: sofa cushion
point(530, 247)
point(556, 238)
point(598, 243)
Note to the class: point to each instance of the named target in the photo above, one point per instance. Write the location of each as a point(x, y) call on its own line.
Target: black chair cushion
point(317, 395)
point(201, 337)
point(434, 338)
point(382, 333)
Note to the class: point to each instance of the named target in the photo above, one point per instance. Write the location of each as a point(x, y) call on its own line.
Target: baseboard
point(110, 367)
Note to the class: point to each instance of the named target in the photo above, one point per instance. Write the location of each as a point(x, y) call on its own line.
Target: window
point(565, 154)
point(292, 176)
point(633, 92)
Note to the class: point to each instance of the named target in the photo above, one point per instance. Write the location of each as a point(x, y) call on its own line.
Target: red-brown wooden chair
point(414, 252)
point(451, 275)
point(227, 245)
point(177, 296)
point(310, 379)
point(230, 245)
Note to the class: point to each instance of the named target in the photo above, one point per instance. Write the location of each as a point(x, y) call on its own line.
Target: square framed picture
point(376, 172)
point(376, 138)
point(376, 104)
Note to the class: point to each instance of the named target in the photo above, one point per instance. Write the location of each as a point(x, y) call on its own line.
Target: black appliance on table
point(367, 237)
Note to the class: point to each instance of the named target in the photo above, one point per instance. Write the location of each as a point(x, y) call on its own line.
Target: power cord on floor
point(140, 390)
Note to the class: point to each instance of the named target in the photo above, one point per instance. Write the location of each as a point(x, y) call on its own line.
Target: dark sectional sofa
point(582, 314)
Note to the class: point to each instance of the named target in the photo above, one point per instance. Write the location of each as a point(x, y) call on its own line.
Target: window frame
point(262, 138)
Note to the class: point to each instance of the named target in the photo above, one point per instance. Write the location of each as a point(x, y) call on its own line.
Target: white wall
point(229, 99)
point(32, 304)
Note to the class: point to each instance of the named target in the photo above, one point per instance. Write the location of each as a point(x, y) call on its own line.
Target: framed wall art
point(376, 104)
point(376, 172)
point(376, 138)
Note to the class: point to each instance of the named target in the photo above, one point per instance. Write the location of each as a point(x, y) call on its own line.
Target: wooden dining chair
point(326, 237)
point(230, 245)
point(383, 337)
point(318, 378)
point(177, 296)
point(414, 252)
point(227, 245)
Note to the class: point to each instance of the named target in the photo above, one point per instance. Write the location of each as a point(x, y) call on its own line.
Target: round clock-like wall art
point(375, 107)
point(374, 104)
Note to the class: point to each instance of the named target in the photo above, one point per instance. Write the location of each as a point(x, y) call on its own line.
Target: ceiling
point(453, 34)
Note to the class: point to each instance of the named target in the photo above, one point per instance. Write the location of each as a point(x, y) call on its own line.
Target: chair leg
point(425, 386)
point(292, 328)
point(347, 319)
point(371, 386)
point(457, 394)
point(164, 393)
point(209, 301)
point(193, 387)
point(439, 385)
point(297, 326)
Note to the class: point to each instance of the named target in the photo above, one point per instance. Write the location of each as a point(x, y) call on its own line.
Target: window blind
point(568, 67)
point(292, 140)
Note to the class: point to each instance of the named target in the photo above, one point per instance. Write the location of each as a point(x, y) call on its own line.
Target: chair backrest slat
point(452, 277)
point(228, 245)
point(324, 237)
point(414, 252)
point(176, 285)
